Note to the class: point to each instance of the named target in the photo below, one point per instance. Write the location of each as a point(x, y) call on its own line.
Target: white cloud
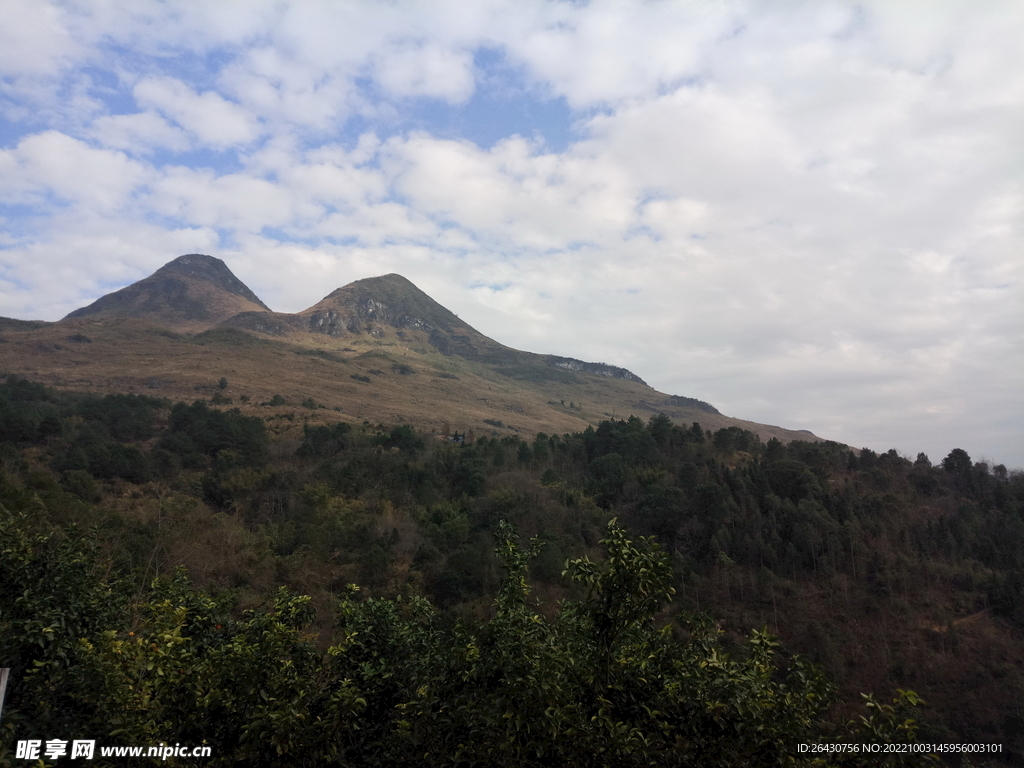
point(614, 52)
point(51, 163)
point(216, 121)
point(139, 134)
point(377, 225)
point(511, 194)
point(35, 39)
point(163, 29)
point(411, 69)
point(333, 178)
point(284, 91)
point(234, 201)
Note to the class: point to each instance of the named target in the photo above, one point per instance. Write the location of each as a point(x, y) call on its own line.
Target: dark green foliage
point(599, 685)
point(608, 475)
point(550, 477)
point(81, 484)
point(467, 572)
point(469, 474)
point(51, 594)
point(629, 439)
point(19, 390)
point(660, 511)
point(791, 479)
point(924, 478)
point(28, 412)
point(402, 437)
point(198, 429)
point(322, 442)
point(252, 686)
point(524, 454)
point(1007, 597)
point(277, 400)
point(93, 451)
point(735, 439)
point(101, 447)
point(957, 463)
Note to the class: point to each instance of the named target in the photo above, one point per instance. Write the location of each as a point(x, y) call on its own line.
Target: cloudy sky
point(809, 214)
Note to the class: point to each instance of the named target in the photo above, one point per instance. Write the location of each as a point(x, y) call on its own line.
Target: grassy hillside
point(379, 378)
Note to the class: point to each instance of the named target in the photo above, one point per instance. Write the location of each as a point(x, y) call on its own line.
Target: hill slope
point(377, 349)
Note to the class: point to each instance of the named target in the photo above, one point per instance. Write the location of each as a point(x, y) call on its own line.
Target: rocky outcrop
point(598, 369)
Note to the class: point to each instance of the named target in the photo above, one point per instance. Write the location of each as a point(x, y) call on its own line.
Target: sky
point(809, 214)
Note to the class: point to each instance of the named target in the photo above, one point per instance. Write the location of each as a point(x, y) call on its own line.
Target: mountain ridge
point(377, 349)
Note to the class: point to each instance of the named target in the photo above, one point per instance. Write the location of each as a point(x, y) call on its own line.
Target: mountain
point(391, 308)
point(192, 293)
point(378, 349)
point(386, 307)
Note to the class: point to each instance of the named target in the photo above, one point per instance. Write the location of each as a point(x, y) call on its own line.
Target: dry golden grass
point(351, 378)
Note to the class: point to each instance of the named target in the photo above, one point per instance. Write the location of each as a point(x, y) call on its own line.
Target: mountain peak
point(192, 293)
point(388, 300)
point(213, 270)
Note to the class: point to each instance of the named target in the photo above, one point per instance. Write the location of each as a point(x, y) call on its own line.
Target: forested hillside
point(506, 593)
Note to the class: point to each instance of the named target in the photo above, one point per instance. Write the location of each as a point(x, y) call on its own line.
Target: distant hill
point(378, 349)
point(386, 307)
point(192, 293)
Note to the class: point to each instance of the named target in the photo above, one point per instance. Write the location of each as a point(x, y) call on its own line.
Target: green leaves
point(633, 586)
point(597, 684)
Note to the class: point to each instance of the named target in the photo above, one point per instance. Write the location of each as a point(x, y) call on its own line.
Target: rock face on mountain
point(190, 294)
point(599, 369)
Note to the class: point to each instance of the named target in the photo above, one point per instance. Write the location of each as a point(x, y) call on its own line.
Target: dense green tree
point(199, 429)
point(126, 417)
point(52, 593)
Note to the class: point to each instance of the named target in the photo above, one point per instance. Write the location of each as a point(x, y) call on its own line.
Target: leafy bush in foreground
point(600, 684)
